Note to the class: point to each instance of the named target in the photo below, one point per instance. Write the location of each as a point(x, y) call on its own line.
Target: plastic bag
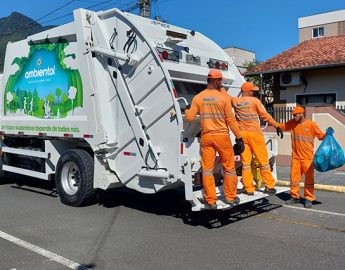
point(329, 155)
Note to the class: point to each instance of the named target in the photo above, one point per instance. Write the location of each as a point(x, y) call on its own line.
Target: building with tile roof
point(310, 54)
point(309, 74)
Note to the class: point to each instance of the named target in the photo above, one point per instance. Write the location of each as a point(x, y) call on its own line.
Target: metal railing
point(281, 115)
point(340, 109)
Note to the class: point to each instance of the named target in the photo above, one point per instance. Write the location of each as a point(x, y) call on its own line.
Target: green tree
point(250, 66)
point(40, 110)
point(36, 101)
point(50, 98)
point(29, 96)
point(15, 100)
point(58, 94)
point(64, 97)
point(19, 101)
point(264, 81)
point(13, 104)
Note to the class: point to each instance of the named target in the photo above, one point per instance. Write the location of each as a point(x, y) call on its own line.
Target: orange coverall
point(247, 112)
point(302, 140)
point(216, 116)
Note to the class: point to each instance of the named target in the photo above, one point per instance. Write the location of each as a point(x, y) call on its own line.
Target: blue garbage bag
point(329, 155)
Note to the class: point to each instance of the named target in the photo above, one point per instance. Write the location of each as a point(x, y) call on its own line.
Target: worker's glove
point(240, 145)
point(330, 131)
point(236, 150)
point(280, 132)
point(187, 107)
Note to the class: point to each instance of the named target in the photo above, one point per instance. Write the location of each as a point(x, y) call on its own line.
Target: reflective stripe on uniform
point(302, 138)
point(230, 173)
point(211, 115)
point(294, 184)
point(265, 167)
point(207, 172)
point(308, 185)
point(246, 117)
point(246, 167)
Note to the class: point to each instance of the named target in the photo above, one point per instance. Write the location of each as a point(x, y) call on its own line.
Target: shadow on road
point(168, 203)
point(172, 203)
point(286, 196)
point(34, 185)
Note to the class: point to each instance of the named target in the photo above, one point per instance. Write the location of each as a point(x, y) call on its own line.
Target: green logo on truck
point(43, 86)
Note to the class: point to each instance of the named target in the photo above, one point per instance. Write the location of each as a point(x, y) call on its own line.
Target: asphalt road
point(129, 230)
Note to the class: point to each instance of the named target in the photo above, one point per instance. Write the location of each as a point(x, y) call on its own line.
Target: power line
point(70, 2)
point(36, 21)
point(56, 18)
point(111, 4)
point(71, 13)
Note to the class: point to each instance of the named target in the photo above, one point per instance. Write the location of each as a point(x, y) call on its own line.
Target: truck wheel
point(74, 178)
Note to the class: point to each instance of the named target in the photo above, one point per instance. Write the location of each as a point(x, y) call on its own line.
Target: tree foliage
point(264, 81)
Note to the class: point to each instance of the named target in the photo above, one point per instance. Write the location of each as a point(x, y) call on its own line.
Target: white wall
point(319, 81)
point(323, 18)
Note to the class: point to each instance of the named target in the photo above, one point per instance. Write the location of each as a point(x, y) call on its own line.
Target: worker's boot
point(270, 191)
point(234, 202)
point(292, 200)
point(308, 204)
point(249, 193)
point(210, 206)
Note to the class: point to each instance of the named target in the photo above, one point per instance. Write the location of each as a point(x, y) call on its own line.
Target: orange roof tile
point(310, 53)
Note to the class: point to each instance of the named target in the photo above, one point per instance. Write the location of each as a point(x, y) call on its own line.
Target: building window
point(318, 32)
point(316, 100)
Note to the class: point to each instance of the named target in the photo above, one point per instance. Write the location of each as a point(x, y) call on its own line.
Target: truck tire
point(74, 178)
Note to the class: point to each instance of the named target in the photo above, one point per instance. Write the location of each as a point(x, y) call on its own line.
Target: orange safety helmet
point(297, 110)
point(249, 86)
point(215, 74)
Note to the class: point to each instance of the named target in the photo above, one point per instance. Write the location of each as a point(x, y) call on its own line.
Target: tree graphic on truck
point(43, 86)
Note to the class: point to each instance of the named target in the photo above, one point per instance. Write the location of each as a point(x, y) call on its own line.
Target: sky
point(266, 27)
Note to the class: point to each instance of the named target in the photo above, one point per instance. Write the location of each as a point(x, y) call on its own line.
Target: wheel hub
point(70, 178)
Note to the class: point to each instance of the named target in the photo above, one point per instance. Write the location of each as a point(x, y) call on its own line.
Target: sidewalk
point(332, 178)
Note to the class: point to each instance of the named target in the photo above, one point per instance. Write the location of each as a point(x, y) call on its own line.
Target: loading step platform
point(198, 204)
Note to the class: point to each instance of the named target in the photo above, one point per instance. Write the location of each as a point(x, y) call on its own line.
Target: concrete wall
point(319, 82)
point(331, 29)
point(333, 23)
point(240, 56)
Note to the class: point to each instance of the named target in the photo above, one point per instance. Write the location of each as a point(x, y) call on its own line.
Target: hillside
point(16, 27)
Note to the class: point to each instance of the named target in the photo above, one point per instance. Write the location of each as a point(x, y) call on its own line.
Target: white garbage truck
point(98, 103)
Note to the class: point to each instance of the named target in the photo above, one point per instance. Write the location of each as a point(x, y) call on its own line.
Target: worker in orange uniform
point(248, 109)
point(303, 133)
point(216, 117)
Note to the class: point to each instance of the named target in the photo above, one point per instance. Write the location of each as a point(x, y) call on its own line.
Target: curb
point(316, 186)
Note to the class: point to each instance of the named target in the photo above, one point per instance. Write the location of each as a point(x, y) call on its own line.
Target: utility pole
point(145, 8)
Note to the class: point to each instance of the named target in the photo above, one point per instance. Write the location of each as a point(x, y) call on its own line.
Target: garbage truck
point(98, 103)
